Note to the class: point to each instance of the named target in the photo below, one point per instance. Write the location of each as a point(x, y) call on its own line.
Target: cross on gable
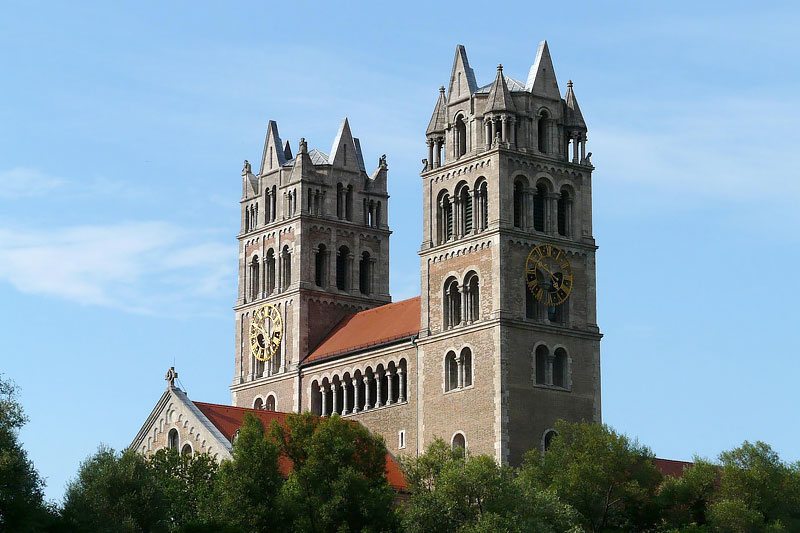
point(171, 377)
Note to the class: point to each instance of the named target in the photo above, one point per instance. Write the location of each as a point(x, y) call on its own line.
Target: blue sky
point(122, 134)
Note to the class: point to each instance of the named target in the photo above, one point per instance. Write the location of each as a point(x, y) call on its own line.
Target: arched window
point(539, 202)
point(267, 206)
point(187, 449)
point(378, 215)
point(466, 367)
point(471, 285)
point(541, 365)
point(564, 212)
point(560, 368)
point(286, 257)
point(450, 372)
point(270, 281)
point(321, 266)
point(258, 403)
point(342, 260)
point(452, 303)
point(316, 398)
point(270, 405)
point(519, 203)
point(444, 217)
point(340, 201)
point(255, 278)
point(172, 439)
point(274, 197)
point(544, 132)
point(482, 218)
point(465, 206)
point(547, 441)
point(460, 444)
point(348, 205)
point(365, 274)
point(461, 136)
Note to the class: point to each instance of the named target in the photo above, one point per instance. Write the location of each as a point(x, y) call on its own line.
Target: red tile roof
point(228, 420)
point(668, 467)
point(381, 325)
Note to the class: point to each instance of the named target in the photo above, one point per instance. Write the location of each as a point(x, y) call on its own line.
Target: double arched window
point(452, 303)
point(551, 369)
point(458, 369)
point(255, 278)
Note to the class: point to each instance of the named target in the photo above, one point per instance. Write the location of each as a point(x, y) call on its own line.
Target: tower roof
point(499, 96)
point(574, 115)
point(542, 77)
point(438, 121)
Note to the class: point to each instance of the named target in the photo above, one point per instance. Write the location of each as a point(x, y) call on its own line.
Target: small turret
point(435, 132)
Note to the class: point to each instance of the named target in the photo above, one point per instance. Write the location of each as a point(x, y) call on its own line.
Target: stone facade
point(506, 170)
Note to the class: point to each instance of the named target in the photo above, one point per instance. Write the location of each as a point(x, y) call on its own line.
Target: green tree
point(472, 494)
point(684, 500)
point(338, 480)
point(247, 489)
point(187, 481)
point(609, 479)
point(758, 491)
point(22, 506)
point(116, 493)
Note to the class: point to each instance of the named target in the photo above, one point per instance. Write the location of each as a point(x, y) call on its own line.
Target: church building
point(502, 340)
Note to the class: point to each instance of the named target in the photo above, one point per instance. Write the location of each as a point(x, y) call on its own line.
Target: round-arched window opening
point(187, 449)
point(270, 405)
point(548, 439)
point(172, 439)
point(258, 404)
point(459, 444)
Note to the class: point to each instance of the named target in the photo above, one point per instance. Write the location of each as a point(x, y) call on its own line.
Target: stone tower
point(506, 170)
point(314, 242)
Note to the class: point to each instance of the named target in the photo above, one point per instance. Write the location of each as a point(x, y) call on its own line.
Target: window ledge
point(460, 389)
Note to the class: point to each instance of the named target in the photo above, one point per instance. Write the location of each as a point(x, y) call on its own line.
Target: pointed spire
point(438, 121)
point(574, 115)
point(462, 77)
point(343, 151)
point(542, 77)
point(287, 151)
point(273, 156)
point(499, 96)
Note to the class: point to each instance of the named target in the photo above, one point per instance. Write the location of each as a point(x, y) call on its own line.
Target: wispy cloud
point(20, 182)
point(141, 267)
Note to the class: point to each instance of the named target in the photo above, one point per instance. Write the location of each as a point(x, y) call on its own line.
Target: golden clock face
point(548, 274)
point(266, 332)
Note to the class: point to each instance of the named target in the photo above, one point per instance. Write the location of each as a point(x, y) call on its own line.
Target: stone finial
point(441, 89)
point(171, 377)
point(499, 67)
point(303, 146)
point(569, 83)
point(246, 169)
point(382, 161)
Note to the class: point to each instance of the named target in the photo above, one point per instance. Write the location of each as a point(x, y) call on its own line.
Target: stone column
point(460, 364)
point(494, 129)
point(551, 213)
point(356, 395)
point(349, 274)
point(335, 398)
point(371, 276)
point(487, 129)
point(429, 142)
point(505, 129)
point(549, 369)
point(401, 394)
point(462, 294)
point(390, 385)
point(367, 392)
point(476, 206)
point(346, 404)
point(324, 403)
point(568, 217)
point(512, 132)
point(583, 148)
point(456, 217)
point(378, 378)
point(437, 153)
